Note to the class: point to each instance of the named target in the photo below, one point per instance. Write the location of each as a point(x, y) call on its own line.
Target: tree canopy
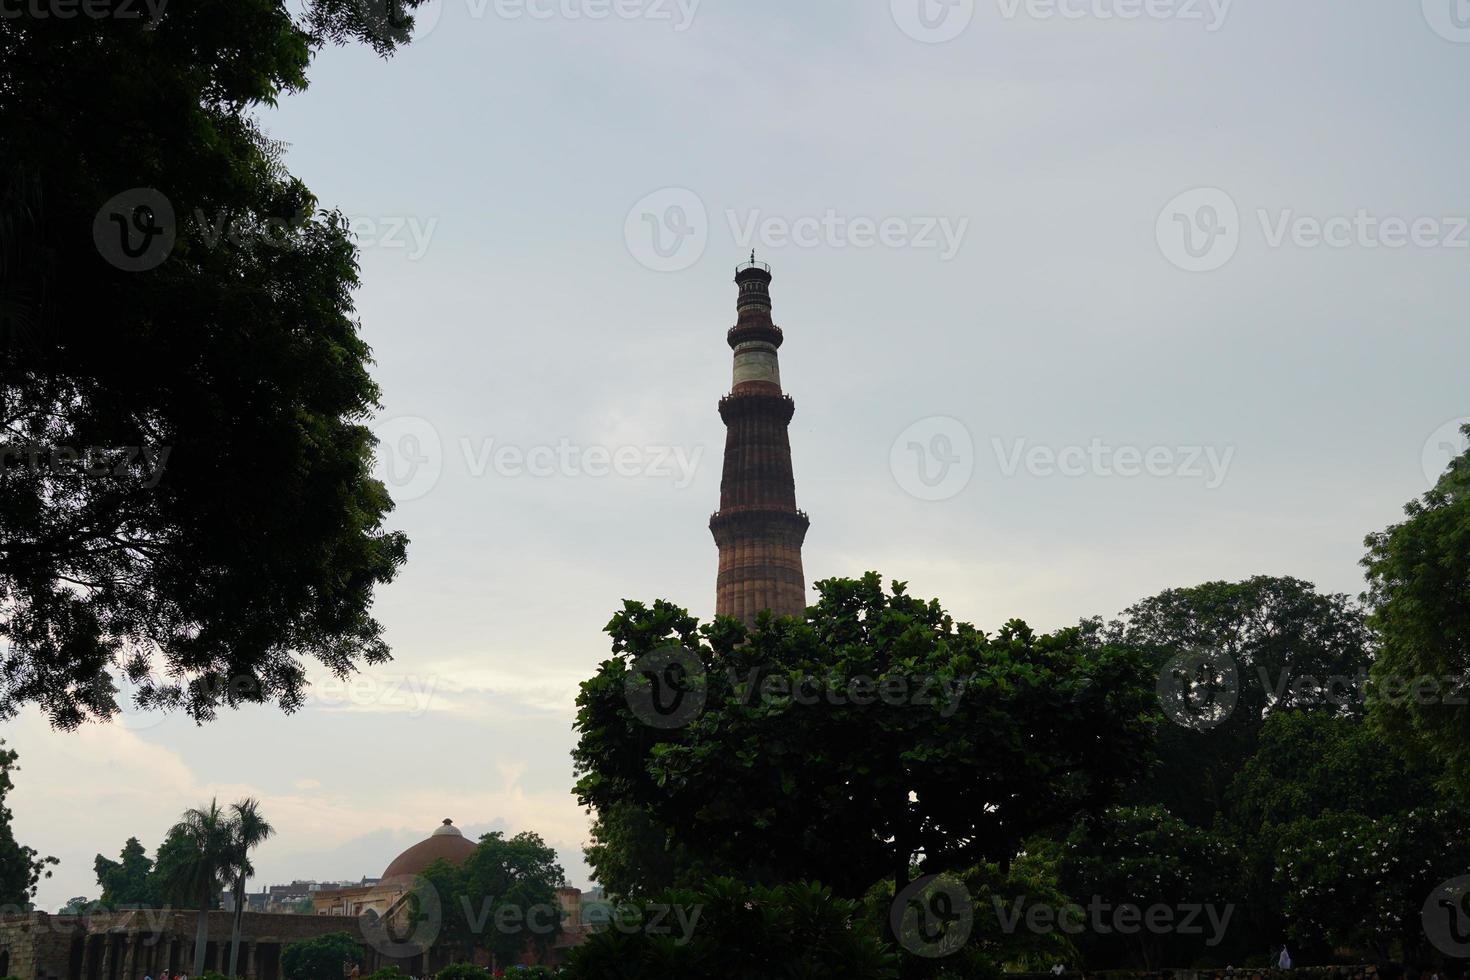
point(1419, 593)
point(185, 489)
point(502, 899)
point(876, 733)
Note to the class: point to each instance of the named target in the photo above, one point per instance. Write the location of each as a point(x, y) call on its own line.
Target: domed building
point(380, 894)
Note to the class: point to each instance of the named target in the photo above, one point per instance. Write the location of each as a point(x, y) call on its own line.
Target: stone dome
point(446, 842)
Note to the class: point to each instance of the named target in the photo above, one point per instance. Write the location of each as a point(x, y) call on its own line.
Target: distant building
point(386, 898)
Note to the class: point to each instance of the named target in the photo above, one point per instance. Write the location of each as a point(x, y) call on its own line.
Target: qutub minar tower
point(758, 529)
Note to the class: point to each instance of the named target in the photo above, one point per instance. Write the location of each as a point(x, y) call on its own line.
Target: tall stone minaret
point(758, 529)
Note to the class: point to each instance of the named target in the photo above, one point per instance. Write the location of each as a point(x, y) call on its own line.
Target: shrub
point(463, 971)
point(388, 973)
point(321, 958)
point(726, 930)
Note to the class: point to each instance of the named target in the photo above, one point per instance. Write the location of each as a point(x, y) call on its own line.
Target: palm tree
point(250, 830)
point(209, 833)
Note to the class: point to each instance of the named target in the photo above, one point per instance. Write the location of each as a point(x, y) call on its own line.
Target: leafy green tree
point(1343, 834)
point(170, 882)
point(502, 899)
point(209, 835)
point(635, 856)
point(1352, 881)
point(875, 734)
point(236, 353)
point(126, 882)
point(1145, 857)
point(21, 870)
point(1419, 594)
point(249, 830)
point(1280, 633)
point(321, 958)
point(80, 905)
point(729, 930)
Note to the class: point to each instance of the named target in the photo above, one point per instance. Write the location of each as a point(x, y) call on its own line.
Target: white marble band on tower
point(755, 360)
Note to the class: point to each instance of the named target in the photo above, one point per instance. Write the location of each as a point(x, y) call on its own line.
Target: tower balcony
point(743, 405)
point(745, 332)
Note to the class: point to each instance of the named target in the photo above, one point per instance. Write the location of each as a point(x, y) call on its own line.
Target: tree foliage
point(1419, 593)
point(128, 881)
point(738, 932)
point(502, 899)
point(21, 868)
point(960, 745)
point(322, 957)
point(1278, 633)
point(248, 538)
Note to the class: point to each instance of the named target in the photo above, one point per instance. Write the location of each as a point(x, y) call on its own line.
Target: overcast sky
point(1078, 306)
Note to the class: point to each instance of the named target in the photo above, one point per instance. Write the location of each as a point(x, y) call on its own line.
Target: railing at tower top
point(746, 266)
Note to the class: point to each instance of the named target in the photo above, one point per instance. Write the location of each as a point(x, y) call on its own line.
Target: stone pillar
point(758, 529)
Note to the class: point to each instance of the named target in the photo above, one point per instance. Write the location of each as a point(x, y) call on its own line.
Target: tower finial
point(752, 256)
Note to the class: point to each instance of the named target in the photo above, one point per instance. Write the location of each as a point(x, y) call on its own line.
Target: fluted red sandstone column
point(758, 529)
